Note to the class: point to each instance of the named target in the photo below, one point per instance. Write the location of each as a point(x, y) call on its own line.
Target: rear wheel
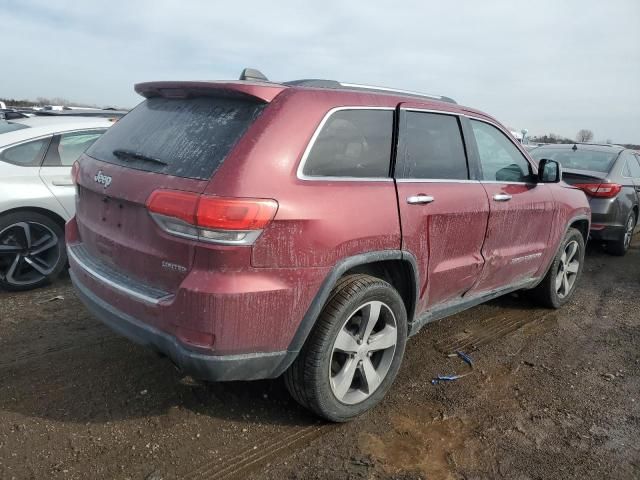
point(560, 282)
point(354, 351)
point(32, 250)
point(619, 247)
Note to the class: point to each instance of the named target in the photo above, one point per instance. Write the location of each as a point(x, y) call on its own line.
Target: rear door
point(63, 151)
point(164, 143)
point(443, 213)
point(521, 210)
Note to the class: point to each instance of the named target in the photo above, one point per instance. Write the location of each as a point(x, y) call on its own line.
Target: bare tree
point(584, 135)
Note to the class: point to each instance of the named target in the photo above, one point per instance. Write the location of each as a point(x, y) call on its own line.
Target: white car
point(37, 195)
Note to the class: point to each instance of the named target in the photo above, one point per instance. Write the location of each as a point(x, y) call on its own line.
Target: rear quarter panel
point(22, 187)
point(318, 223)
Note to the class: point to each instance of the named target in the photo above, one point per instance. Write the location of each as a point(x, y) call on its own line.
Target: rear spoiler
point(586, 174)
point(257, 91)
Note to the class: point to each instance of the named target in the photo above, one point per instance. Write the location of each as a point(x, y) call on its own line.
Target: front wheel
point(560, 282)
point(354, 351)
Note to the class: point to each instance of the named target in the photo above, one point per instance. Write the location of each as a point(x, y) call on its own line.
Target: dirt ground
point(553, 395)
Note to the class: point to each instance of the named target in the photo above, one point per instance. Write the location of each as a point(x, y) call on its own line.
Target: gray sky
point(548, 66)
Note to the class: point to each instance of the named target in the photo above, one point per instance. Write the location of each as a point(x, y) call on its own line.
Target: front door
point(443, 213)
point(521, 210)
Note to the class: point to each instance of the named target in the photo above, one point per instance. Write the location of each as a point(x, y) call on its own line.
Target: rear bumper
point(250, 366)
point(606, 233)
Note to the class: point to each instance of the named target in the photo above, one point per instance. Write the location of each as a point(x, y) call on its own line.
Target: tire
point(27, 264)
point(314, 377)
point(547, 292)
point(621, 246)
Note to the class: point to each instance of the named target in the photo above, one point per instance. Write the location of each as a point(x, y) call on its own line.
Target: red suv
point(249, 229)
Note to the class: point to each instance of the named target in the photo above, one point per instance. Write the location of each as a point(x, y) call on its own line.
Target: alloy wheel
point(628, 233)
point(29, 252)
point(363, 352)
point(568, 269)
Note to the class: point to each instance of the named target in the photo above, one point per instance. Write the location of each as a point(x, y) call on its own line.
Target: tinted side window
point(27, 154)
point(499, 158)
point(352, 143)
point(66, 148)
point(431, 147)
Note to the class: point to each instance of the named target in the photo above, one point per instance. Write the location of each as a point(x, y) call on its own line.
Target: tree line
point(584, 135)
point(42, 101)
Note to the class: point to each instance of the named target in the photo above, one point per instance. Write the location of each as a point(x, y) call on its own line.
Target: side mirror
point(549, 171)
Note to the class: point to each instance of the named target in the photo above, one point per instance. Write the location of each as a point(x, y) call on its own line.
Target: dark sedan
point(610, 176)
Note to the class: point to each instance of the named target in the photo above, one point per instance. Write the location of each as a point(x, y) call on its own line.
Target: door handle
point(419, 199)
point(62, 183)
point(502, 197)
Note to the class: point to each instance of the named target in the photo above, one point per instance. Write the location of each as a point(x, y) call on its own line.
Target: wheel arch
point(379, 264)
point(580, 222)
point(582, 225)
point(42, 211)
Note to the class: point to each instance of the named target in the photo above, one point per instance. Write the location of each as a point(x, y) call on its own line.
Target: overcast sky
point(548, 66)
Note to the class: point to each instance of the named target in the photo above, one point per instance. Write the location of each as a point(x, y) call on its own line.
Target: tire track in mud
point(238, 465)
point(486, 330)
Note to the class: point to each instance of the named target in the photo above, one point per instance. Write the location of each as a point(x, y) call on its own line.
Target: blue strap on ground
point(450, 378)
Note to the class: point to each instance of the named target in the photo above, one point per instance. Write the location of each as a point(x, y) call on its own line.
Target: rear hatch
point(174, 142)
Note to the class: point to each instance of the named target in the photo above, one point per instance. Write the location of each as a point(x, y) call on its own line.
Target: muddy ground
point(554, 395)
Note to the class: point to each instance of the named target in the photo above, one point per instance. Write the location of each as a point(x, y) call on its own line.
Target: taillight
point(230, 221)
point(75, 172)
point(600, 190)
point(170, 203)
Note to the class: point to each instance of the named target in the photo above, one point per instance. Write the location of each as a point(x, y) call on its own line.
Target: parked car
point(37, 194)
point(11, 114)
point(82, 112)
point(610, 176)
point(249, 229)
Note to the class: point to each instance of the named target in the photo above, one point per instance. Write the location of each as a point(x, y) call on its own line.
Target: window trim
point(465, 147)
point(534, 168)
point(301, 176)
point(435, 180)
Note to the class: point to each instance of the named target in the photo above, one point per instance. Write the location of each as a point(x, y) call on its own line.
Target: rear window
point(579, 159)
point(182, 137)
point(6, 127)
point(352, 143)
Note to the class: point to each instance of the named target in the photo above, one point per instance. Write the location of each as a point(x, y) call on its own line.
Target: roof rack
point(256, 75)
point(317, 83)
point(595, 144)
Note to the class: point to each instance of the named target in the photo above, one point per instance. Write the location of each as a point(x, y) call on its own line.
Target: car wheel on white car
point(32, 250)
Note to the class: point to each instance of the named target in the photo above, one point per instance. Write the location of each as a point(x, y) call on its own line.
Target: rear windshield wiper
point(130, 155)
